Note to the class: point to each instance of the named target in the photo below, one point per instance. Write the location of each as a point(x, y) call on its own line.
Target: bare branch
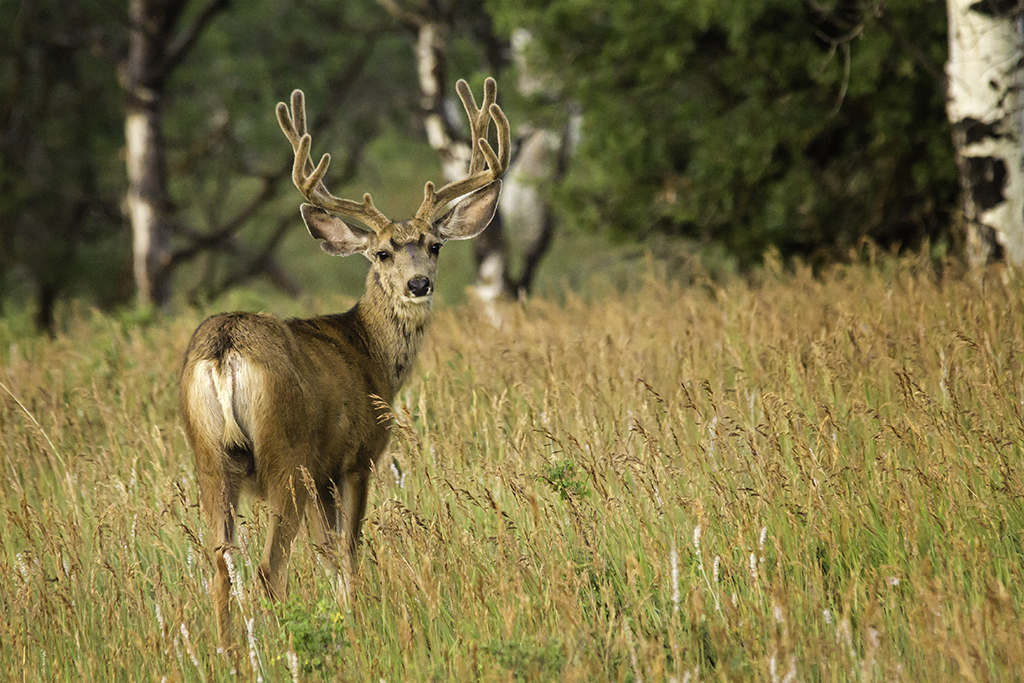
point(183, 42)
point(221, 236)
point(411, 19)
point(262, 263)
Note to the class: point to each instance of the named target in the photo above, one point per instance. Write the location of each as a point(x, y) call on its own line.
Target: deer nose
point(419, 286)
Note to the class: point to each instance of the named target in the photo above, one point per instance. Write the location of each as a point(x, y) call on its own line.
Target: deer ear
point(339, 238)
point(471, 215)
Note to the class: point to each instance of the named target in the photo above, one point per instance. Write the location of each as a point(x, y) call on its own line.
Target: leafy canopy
point(751, 123)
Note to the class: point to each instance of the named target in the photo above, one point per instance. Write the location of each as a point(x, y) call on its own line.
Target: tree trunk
point(156, 46)
point(525, 210)
point(151, 23)
point(431, 57)
point(147, 202)
point(984, 98)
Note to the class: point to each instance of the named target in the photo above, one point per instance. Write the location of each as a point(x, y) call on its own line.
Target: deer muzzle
point(420, 286)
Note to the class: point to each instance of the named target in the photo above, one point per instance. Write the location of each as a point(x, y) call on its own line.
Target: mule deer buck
point(295, 411)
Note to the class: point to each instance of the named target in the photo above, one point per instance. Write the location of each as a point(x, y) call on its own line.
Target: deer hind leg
point(287, 506)
point(221, 513)
point(326, 527)
point(206, 423)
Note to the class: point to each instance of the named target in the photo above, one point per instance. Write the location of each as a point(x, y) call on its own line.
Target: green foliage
point(61, 128)
point(565, 479)
point(315, 633)
point(355, 69)
point(529, 660)
point(801, 125)
point(62, 174)
point(742, 125)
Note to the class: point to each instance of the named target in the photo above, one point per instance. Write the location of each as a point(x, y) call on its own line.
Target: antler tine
point(483, 153)
point(504, 133)
point(309, 179)
point(479, 121)
point(293, 123)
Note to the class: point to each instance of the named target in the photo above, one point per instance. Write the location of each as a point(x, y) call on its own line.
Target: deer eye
point(383, 255)
point(435, 248)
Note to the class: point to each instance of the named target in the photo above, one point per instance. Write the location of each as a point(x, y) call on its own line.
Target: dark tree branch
point(914, 50)
point(409, 19)
point(223, 236)
point(183, 42)
point(262, 263)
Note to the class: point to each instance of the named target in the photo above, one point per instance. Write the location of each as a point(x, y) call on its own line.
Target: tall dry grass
point(813, 479)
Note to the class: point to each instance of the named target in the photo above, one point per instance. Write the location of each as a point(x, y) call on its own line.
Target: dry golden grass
point(794, 479)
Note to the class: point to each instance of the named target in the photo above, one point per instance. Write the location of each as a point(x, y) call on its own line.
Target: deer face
point(403, 255)
point(404, 264)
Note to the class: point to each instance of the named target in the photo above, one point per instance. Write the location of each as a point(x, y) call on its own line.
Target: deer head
point(403, 254)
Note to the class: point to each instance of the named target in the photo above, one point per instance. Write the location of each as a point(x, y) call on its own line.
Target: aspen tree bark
point(985, 75)
point(431, 57)
point(147, 202)
point(540, 162)
point(156, 45)
point(525, 210)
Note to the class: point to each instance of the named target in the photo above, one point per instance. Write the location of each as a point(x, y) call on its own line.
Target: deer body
point(295, 412)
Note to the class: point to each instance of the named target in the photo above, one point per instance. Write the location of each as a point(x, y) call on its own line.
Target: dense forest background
point(729, 127)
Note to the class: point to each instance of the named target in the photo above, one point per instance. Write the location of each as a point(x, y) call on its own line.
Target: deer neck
point(394, 332)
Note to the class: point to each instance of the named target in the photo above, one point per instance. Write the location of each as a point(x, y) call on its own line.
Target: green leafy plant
point(565, 479)
point(313, 635)
point(529, 660)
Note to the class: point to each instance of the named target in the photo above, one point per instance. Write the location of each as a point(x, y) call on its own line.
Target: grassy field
point(787, 479)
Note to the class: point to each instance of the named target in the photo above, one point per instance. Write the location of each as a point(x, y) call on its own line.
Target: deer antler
point(309, 179)
point(479, 122)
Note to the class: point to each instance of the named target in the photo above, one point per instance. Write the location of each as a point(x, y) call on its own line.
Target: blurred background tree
point(61, 179)
point(64, 228)
point(732, 127)
point(801, 124)
point(227, 159)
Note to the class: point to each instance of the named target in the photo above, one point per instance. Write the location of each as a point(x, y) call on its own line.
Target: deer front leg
point(324, 523)
point(354, 489)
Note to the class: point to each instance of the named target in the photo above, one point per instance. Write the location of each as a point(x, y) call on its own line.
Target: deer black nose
point(419, 286)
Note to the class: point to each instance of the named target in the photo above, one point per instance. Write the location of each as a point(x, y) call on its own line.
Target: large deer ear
point(339, 238)
point(471, 215)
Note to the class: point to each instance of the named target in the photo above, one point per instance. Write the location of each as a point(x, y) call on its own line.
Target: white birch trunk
point(143, 75)
point(145, 203)
point(431, 51)
point(984, 106)
point(431, 54)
